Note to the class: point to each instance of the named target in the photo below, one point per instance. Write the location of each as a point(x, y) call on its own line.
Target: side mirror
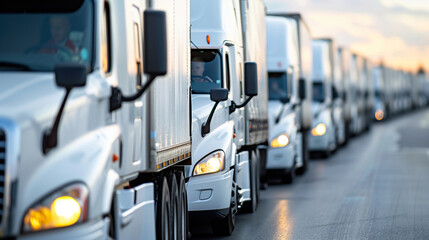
point(334, 92)
point(216, 95)
point(251, 79)
point(302, 89)
point(155, 43)
point(219, 94)
point(285, 99)
point(70, 75)
point(154, 59)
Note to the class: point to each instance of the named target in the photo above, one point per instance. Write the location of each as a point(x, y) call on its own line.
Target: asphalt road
point(376, 187)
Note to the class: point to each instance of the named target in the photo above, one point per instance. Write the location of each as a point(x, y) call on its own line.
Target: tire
point(174, 207)
point(289, 176)
point(183, 207)
point(305, 155)
point(224, 227)
point(252, 205)
point(163, 210)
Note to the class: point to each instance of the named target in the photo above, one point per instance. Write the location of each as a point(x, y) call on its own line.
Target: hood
point(316, 108)
point(201, 107)
point(29, 96)
point(274, 108)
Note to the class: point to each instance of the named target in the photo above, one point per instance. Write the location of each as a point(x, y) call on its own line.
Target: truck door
point(132, 136)
point(234, 83)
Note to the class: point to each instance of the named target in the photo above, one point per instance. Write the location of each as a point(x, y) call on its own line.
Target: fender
point(86, 160)
point(219, 139)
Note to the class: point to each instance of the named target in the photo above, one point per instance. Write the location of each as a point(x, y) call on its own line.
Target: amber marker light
point(208, 39)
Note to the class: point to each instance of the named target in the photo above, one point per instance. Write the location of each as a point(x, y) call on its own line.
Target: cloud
point(395, 30)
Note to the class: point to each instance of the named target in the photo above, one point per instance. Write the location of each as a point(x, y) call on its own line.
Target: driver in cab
point(59, 29)
point(197, 71)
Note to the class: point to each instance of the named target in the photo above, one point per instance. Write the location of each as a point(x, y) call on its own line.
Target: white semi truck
point(229, 109)
point(84, 153)
point(284, 100)
point(323, 136)
point(303, 38)
point(380, 108)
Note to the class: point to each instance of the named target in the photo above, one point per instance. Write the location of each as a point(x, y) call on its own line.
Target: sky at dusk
point(396, 31)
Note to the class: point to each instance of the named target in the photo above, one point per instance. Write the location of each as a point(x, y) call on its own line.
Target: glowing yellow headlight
point(64, 211)
point(210, 164)
point(38, 218)
point(280, 141)
point(319, 130)
point(379, 115)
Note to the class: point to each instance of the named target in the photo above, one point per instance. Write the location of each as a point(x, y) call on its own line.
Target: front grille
point(2, 170)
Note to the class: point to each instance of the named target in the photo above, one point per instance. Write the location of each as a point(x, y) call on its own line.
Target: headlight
point(60, 209)
point(319, 130)
point(214, 162)
point(379, 115)
point(280, 141)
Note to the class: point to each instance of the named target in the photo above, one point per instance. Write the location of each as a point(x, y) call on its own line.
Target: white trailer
point(227, 135)
point(108, 163)
point(305, 85)
point(283, 111)
point(323, 136)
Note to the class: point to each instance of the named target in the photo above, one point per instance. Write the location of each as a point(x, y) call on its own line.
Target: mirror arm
point(280, 113)
point(205, 128)
point(117, 98)
point(50, 137)
point(235, 106)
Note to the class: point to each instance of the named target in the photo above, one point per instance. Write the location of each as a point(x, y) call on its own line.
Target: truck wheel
point(252, 205)
point(163, 211)
point(305, 155)
point(224, 227)
point(183, 208)
point(174, 207)
point(289, 175)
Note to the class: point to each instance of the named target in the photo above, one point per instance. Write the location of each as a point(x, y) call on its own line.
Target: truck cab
point(282, 59)
point(82, 156)
point(323, 136)
point(227, 117)
point(303, 36)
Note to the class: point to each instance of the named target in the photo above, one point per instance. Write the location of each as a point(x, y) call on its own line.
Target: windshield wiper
point(14, 66)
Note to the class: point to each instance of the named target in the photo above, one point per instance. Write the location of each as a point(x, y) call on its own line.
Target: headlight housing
point(60, 209)
point(379, 115)
point(280, 141)
point(319, 130)
point(212, 163)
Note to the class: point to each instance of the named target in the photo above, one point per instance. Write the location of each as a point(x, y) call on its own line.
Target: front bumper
point(280, 158)
point(210, 192)
point(318, 143)
point(93, 230)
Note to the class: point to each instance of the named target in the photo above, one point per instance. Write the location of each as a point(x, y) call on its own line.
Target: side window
point(228, 72)
point(106, 53)
point(137, 55)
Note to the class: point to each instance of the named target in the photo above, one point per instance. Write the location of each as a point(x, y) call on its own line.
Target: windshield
point(206, 70)
point(36, 37)
point(278, 86)
point(318, 92)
